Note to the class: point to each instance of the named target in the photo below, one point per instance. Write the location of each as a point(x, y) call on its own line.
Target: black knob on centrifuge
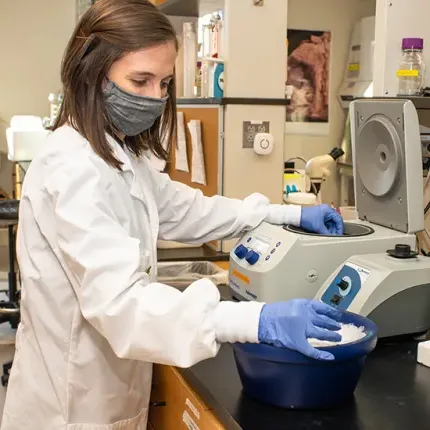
point(343, 285)
point(402, 251)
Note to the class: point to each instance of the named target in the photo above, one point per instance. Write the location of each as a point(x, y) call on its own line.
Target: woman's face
point(147, 72)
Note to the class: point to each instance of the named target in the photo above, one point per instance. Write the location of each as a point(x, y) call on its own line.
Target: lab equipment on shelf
point(216, 36)
point(294, 177)
point(55, 100)
point(26, 136)
point(198, 80)
point(411, 72)
point(358, 79)
point(298, 188)
point(190, 57)
point(319, 168)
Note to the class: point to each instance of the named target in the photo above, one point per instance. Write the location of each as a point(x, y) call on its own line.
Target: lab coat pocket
point(138, 422)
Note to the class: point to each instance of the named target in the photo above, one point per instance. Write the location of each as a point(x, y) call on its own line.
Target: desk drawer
point(175, 406)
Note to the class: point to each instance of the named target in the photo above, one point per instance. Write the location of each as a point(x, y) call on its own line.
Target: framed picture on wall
point(308, 81)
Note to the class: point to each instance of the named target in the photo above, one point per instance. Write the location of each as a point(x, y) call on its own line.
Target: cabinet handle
point(157, 404)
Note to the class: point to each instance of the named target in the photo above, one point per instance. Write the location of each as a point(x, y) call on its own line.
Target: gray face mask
point(129, 113)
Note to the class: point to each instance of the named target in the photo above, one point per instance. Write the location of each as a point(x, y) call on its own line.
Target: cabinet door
point(174, 405)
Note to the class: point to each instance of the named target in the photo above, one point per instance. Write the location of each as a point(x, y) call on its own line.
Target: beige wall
point(255, 67)
point(337, 16)
point(33, 35)
point(255, 48)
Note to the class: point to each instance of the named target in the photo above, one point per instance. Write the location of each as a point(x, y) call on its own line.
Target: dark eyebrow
point(168, 77)
point(140, 74)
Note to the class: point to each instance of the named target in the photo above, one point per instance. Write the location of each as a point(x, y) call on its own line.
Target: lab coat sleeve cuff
point(284, 214)
point(237, 322)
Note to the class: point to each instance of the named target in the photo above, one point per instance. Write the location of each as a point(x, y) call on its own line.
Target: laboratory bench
point(393, 394)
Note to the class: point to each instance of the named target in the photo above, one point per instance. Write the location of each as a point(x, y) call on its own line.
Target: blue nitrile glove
point(290, 324)
point(321, 219)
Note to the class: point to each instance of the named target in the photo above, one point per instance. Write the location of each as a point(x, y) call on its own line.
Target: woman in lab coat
point(93, 316)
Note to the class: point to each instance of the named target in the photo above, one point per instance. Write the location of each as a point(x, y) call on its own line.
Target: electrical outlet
point(250, 129)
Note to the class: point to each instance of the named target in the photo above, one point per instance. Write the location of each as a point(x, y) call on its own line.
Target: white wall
point(33, 36)
point(337, 16)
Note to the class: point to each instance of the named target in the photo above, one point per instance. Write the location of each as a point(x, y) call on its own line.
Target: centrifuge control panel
point(345, 286)
point(256, 250)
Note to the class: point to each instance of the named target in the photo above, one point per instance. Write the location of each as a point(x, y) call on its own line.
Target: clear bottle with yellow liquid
point(411, 73)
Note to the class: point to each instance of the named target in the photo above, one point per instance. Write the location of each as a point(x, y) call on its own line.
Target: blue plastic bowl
point(288, 379)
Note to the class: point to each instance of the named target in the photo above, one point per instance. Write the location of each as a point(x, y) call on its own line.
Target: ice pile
point(349, 332)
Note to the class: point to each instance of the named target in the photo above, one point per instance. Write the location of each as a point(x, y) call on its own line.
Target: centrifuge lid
point(386, 152)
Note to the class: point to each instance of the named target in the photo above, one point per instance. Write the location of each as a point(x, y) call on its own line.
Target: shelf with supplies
point(419, 102)
point(244, 101)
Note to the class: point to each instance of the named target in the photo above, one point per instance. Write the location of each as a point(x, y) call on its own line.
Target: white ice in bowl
point(349, 332)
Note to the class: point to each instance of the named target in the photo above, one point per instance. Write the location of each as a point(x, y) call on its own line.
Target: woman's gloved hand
point(321, 219)
point(290, 324)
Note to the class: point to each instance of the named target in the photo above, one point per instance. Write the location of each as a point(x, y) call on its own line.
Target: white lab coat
point(93, 315)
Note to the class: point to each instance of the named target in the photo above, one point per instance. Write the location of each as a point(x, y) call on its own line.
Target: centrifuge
point(273, 263)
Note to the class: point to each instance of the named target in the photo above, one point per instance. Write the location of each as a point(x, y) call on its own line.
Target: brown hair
point(105, 32)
